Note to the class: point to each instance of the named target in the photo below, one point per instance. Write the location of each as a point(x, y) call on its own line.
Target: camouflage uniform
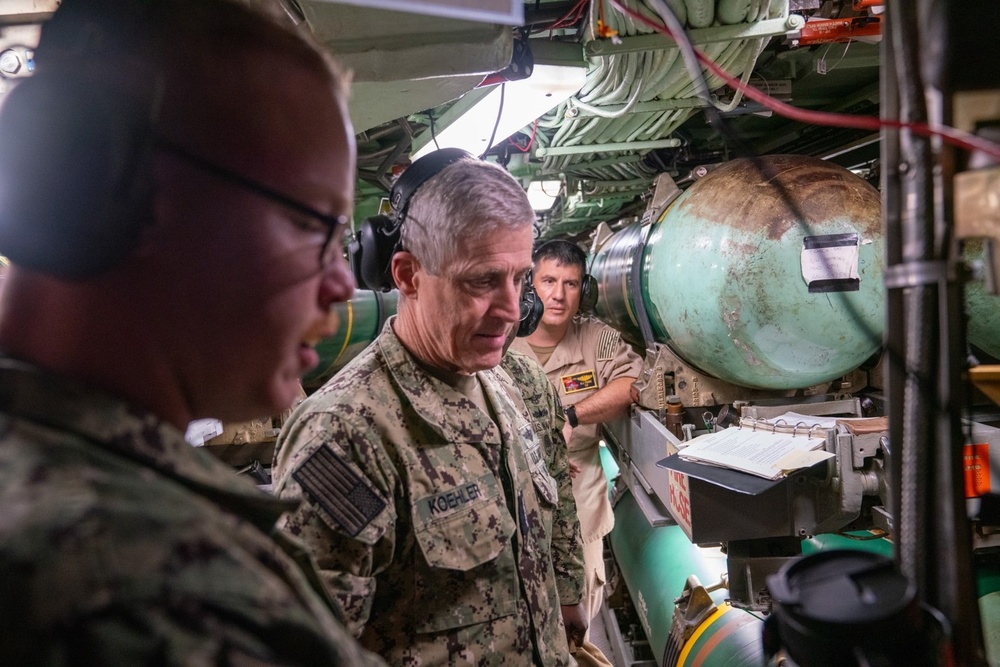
point(589, 356)
point(121, 544)
point(546, 415)
point(424, 515)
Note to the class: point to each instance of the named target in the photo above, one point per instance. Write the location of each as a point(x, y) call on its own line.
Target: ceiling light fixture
point(543, 194)
point(469, 122)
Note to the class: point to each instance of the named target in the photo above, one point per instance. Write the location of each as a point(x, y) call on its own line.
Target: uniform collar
point(116, 426)
point(568, 352)
point(453, 416)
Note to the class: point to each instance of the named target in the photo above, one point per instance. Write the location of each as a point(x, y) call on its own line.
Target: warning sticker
point(830, 263)
point(680, 500)
point(976, 462)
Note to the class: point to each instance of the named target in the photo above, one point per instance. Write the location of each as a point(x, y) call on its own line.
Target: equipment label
point(830, 263)
point(976, 461)
point(680, 500)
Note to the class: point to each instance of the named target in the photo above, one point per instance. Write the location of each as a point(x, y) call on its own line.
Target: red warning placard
point(976, 460)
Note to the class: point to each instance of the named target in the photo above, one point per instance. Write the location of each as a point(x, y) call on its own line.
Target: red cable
point(951, 135)
point(534, 128)
point(573, 14)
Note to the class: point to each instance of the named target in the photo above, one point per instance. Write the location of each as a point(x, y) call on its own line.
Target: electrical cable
point(493, 135)
point(613, 80)
point(433, 131)
point(951, 135)
point(716, 120)
point(570, 18)
point(531, 140)
point(916, 128)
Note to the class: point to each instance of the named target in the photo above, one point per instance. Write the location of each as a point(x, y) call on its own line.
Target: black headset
point(76, 162)
point(76, 150)
point(378, 237)
point(532, 309)
point(588, 284)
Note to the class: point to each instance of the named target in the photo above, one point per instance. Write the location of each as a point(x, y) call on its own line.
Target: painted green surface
point(655, 563)
point(989, 612)
point(359, 321)
point(722, 277)
point(982, 308)
point(861, 540)
point(732, 640)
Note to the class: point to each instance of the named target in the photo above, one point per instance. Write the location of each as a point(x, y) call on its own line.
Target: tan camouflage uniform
point(547, 418)
point(121, 544)
point(424, 515)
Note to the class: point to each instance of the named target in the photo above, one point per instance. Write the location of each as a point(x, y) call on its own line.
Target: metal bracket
point(912, 274)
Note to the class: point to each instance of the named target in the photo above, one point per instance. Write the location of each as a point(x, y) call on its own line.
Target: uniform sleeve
point(196, 636)
point(346, 518)
point(185, 592)
point(567, 544)
point(616, 358)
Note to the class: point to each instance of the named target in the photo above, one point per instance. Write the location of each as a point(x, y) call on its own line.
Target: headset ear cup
point(378, 237)
point(532, 310)
point(76, 164)
point(588, 294)
point(371, 251)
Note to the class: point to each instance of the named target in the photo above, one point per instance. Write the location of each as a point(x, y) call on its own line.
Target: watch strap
point(571, 416)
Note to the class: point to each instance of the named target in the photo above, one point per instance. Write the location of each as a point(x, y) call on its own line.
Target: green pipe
point(607, 148)
point(359, 321)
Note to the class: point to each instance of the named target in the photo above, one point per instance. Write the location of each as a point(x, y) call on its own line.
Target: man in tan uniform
point(421, 505)
point(593, 370)
point(175, 179)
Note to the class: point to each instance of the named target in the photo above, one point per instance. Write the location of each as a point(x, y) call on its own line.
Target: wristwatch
point(571, 416)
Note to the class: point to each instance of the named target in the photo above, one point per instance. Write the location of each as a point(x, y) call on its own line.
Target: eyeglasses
point(333, 223)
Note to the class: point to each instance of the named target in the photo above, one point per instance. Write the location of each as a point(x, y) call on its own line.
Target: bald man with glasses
point(174, 182)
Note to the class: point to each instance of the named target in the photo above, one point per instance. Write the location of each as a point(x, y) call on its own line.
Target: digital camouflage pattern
point(547, 418)
point(590, 355)
point(589, 348)
point(121, 544)
point(424, 515)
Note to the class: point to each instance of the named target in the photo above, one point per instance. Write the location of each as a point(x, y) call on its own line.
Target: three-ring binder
point(782, 426)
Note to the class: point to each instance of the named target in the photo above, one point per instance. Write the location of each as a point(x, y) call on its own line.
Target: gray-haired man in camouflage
point(162, 270)
point(422, 508)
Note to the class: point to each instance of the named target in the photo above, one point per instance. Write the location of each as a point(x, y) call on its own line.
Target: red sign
point(680, 500)
point(976, 462)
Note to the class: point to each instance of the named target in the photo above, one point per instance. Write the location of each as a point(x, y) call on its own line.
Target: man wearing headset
point(423, 505)
point(174, 179)
point(593, 370)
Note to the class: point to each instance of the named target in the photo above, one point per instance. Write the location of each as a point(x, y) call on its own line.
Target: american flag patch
point(341, 492)
point(607, 344)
